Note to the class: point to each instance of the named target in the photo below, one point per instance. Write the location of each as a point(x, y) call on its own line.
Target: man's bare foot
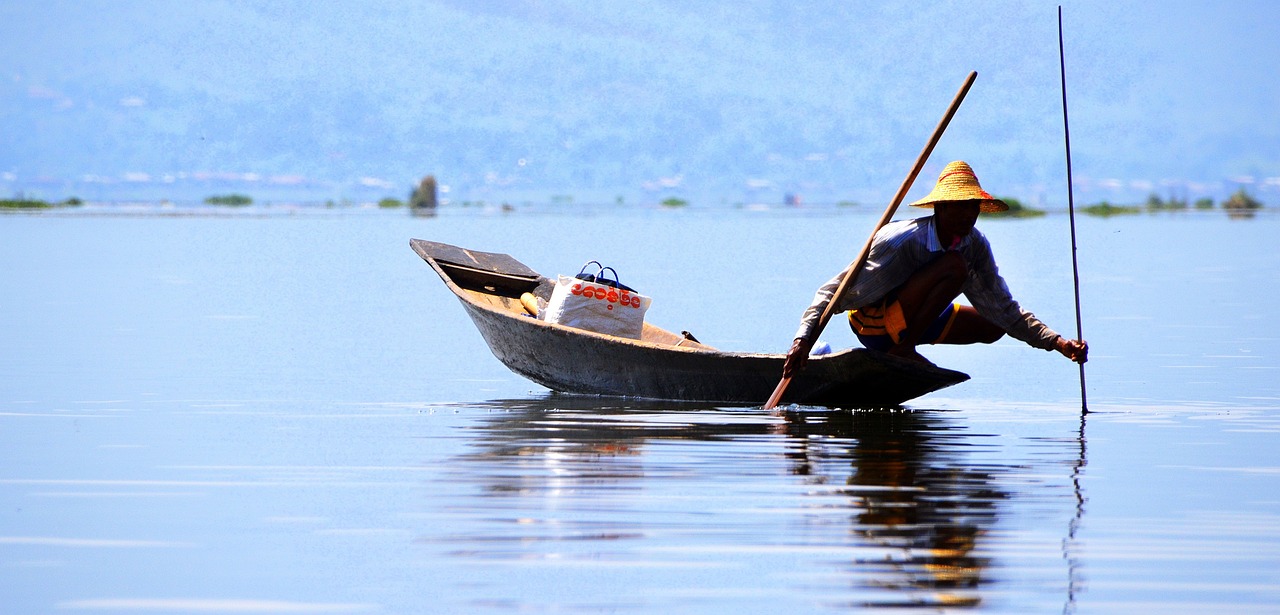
point(909, 353)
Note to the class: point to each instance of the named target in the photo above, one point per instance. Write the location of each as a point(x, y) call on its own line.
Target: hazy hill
point(523, 100)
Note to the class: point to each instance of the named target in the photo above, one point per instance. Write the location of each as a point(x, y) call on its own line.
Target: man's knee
point(932, 286)
point(991, 335)
point(987, 332)
point(969, 327)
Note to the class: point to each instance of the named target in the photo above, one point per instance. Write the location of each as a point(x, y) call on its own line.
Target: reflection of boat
point(661, 364)
point(892, 501)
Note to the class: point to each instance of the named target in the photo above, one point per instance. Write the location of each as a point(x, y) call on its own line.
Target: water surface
point(287, 412)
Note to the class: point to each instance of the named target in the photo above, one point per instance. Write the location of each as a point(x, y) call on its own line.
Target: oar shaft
point(851, 273)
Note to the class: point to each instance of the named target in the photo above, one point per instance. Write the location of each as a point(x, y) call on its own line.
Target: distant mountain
point(722, 102)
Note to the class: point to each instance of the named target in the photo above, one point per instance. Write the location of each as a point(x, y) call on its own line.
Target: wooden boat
point(661, 364)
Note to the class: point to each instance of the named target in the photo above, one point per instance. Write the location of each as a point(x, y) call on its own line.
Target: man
point(904, 295)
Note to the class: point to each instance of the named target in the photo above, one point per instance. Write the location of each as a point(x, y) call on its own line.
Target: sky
point(714, 102)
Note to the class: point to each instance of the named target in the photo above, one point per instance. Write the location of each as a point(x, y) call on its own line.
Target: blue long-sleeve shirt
point(902, 248)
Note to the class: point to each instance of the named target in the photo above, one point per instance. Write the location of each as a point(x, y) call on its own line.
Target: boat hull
point(576, 361)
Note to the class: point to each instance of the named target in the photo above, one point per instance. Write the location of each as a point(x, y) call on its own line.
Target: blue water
point(285, 411)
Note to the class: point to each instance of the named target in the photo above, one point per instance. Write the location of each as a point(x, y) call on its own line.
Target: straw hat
point(958, 183)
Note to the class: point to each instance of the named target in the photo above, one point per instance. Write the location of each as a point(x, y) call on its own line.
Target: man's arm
point(990, 295)
point(824, 296)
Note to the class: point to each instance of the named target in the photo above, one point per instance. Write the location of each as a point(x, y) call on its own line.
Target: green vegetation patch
point(25, 203)
point(424, 195)
point(1016, 210)
point(230, 200)
point(1241, 200)
point(1155, 203)
point(674, 202)
point(390, 203)
point(1105, 209)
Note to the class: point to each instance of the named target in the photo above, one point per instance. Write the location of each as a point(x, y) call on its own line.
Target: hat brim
point(987, 205)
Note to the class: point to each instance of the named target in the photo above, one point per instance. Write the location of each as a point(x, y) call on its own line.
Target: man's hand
point(1076, 350)
point(797, 357)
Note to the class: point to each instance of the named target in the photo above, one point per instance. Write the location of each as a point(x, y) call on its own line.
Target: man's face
point(956, 219)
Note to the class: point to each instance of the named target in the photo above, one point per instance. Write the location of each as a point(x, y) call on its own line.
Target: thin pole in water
point(1071, 206)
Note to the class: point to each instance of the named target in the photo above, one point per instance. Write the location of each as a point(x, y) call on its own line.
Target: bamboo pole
point(851, 273)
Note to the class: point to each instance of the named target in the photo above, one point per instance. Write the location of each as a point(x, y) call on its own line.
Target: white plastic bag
point(597, 307)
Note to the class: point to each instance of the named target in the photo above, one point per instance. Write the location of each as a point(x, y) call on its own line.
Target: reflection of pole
point(1073, 563)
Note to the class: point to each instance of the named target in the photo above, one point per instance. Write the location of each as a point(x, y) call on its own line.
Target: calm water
point(288, 413)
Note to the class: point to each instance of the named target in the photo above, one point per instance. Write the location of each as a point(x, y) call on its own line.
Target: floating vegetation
point(1105, 209)
point(1155, 203)
point(424, 195)
point(24, 203)
point(674, 202)
point(230, 200)
point(1016, 210)
point(1241, 200)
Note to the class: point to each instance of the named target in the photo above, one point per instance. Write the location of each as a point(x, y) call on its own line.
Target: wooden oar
point(1071, 205)
point(851, 274)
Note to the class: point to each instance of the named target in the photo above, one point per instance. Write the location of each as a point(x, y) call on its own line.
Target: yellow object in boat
point(530, 303)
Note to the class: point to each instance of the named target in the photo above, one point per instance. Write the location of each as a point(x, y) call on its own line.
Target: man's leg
point(969, 327)
point(923, 297)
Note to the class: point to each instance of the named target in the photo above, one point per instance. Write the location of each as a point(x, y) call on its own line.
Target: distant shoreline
point(164, 208)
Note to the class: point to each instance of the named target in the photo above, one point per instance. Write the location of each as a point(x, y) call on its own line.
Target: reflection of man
point(911, 494)
point(904, 295)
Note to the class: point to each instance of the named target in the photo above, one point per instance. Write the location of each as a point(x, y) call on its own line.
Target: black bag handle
point(583, 275)
point(598, 276)
point(601, 279)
